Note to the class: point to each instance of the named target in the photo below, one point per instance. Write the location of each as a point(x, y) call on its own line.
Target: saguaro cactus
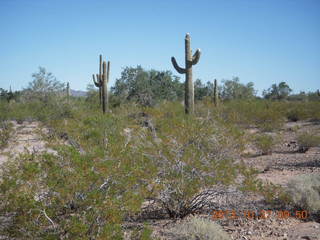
point(68, 90)
point(189, 61)
point(98, 82)
point(105, 80)
point(101, 82)
point(215, 93)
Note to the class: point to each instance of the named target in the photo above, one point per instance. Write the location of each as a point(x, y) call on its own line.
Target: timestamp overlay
point(257, 214)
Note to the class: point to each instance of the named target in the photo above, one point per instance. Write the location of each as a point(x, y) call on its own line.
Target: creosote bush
point(5, 130)
point(266, 115)
point(191, 154)
point(307, 140)
point(70, 196)
point(265, 143)
point(296, 111)
point(304, 191)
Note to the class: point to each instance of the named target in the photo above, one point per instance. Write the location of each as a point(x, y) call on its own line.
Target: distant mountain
point(78, 93)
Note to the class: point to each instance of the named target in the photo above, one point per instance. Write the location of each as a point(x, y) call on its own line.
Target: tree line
point(147, 87)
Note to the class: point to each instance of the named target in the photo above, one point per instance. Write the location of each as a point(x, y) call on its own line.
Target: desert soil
point(279, 167)
point(25, 138)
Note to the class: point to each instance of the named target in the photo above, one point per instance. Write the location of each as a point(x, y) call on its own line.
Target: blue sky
point(262, 41)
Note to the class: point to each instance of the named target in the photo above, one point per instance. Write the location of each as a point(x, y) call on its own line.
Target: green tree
point(147, 87)
point(43, 86)
point(279, 92)
point(8, 95)
point(3, 94)
point(202, 90)
point(233, 89)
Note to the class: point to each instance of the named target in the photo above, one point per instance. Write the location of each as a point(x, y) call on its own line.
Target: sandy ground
point(25, 139)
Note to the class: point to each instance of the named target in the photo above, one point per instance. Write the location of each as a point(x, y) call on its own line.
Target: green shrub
point(4, 110)
point(68, 196)
point(296, 114)
point(307, 140)
point(5, 131)
point(191, 154)
point(304, 191)
point(265, 143)
point(313, 110)
point(141, 233)
point(199, 228)
point(296, 111)
point(265, 115)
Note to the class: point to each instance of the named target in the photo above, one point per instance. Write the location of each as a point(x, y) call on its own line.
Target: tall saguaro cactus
point(68, 90)
point(189, 61)
point(101, 82)
point(105, 80)
point(215, 93)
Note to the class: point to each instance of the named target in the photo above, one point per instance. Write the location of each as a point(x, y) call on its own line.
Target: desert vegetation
point(144, 156)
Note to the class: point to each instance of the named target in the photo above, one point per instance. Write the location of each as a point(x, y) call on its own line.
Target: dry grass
point(199, 228)
point(305, 192)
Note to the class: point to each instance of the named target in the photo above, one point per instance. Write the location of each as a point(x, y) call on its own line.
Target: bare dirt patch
point(25, 138)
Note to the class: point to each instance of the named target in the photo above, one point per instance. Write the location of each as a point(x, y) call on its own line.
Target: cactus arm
point(176, 66)
point(196, 57)
point(97, 84)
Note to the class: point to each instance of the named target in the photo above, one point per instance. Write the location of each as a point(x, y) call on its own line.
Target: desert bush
point(4, 110)
point(183, 154)
point(140, 233)
point(265, 143)
point(304, 191)
point(71, 196)
point(265, 115)
point(42, 111)
point(268, 115)
point(199, 228)
point(313, 110)
point(307, 140)
point(296, 114)
point(296, 110)
point(5, 131)
point(190, 154)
